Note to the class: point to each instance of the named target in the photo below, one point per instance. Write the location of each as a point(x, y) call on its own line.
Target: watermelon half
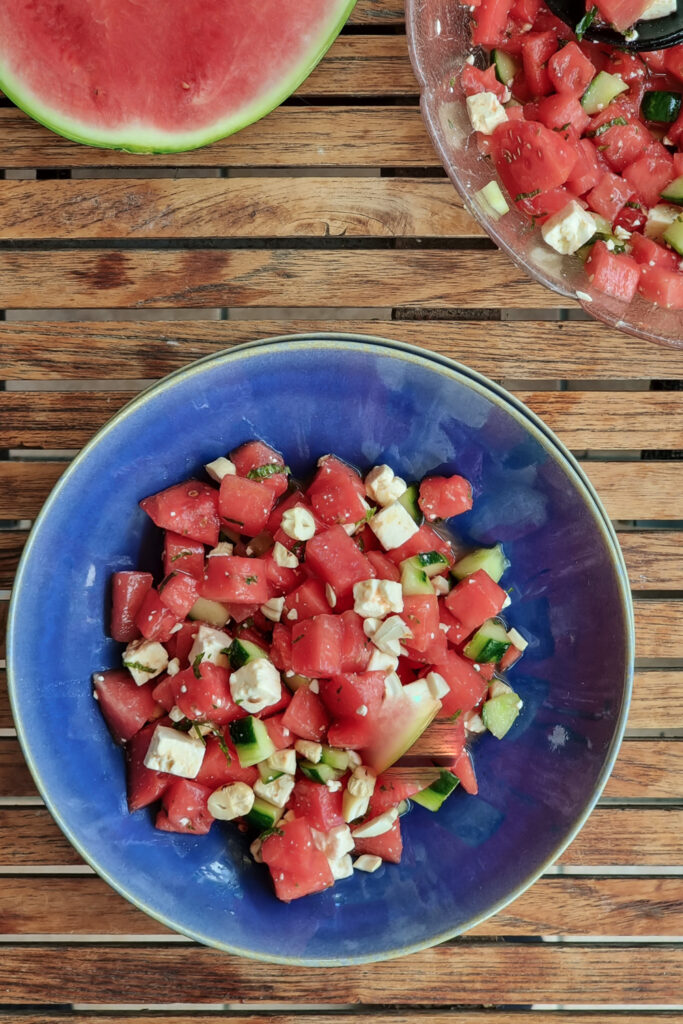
point(159, 76)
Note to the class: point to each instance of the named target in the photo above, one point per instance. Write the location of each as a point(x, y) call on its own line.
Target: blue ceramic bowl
point(369, 401)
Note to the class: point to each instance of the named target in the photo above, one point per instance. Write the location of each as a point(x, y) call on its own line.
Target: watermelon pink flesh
point(159, 75)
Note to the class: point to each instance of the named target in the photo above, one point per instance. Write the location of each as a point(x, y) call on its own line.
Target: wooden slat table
point(332, 213)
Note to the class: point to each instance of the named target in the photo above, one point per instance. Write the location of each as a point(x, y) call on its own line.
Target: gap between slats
point(348, 1015)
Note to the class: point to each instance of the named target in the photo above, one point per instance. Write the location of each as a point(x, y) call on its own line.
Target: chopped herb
point(225, 650)
point(297, 547)
point(198, 734)
point(297, 638)
point(195, 665)
point(139, 667)
point(220, 739)
point(237, 522)
point(190, 826)
point(528, 195)
point(185, 553)
point(366, 518)
point(239, 702)
point(270, 469)
point(586, 22)
point(251, 579)
point(453, 718)
point(634, 206)
point(563, 128)
point(184, 725)
point(271, 832)
point(166, 581)
point(606, 126)
point(451, 82)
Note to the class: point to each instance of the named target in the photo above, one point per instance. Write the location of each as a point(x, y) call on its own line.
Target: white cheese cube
point(354, 759)
point(568, 229)
point(381, 662)
point(272, 609)
point(659, 218)
point(388, 635)
point(219, 468)
point(473, 722)
point(213, 646)
point(362, 781)
point(376, 826)
point(354, 806)
point(342, 868)
point(485, 112)
point(298, 523)
point(438, 687)
point(333, 785)
point(175, 714)
point(517, 639)
point(383, 487)
point(377, 598)
point(256, 685)
point(230, 802)
point(367, 862)
point(222, 548)
point(145, 659)
point(440, 584)
point(393, 526)
point(282, 761)
point(283, 557)
point(276, 792)
point(659, 9)
point(173, 667)
point(309, 750)
point(174, 752)
point(335, 842)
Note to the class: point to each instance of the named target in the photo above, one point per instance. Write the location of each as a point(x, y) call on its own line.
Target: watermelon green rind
point(152, 140)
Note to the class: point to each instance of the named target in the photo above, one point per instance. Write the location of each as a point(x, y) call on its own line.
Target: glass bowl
point(439, 41)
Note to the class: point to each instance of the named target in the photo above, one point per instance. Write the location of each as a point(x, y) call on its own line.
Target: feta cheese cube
point(376, 598)
point(272, 609)
point(283, 557)
point(659, 9)
point(212, 644)
point(282, 761)
point(256, 685)
point(333, 785)
point(173, 667)
point(569, 228)
point(145, 659)
point(659, 218)
point(174, 752)
point(230, 802)
point(342, 868)
point(376, 826)
point(383, 487)
point(310, 750)
point(393, 526)
point(335, 842)
point(473, 722)
point(354, 759)
point(362, 781)
point(367, 862)
point(485, 112)
point(381, 662)
point(276, 792)
point(298, 523)
point(388, 635)
point(219, 468)
point(175, 714)
point(222, 548)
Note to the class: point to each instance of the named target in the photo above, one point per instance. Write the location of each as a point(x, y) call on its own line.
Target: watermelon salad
point(300, 642)
point(587, 142)
point(623, 14)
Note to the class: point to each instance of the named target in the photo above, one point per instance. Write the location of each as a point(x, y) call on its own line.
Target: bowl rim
point(482, 385)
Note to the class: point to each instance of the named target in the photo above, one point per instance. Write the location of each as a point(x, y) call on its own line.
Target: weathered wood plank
point(612, 837)
point(629, 490)
point(363, 65)
point(377, 12)
point(529, 350)
point(233, 208)
point(645, 769)
point(553, 906)
point(204, 278)
point(6, 720)
point(647, 419)
point(480, 973)
point(11, 545)
point(291, 136)
point(659, 629)
point(4, 611)
point(451, 1017)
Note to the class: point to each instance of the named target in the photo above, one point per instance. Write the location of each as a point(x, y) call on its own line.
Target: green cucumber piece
point(433, 796)
point(335, 758)
point(414, 580)
point(506, 66)
point(492, 200)
point(489, 643)
point(433, 562)
point(251, 739)
point(499, 713)
point(673, 193)
point(211, 612)
point(267, 772)
point(264, 815)
point(320, 772)
point(409, 501)
point(661, 105)
point(491, 560)
point(242, 652)
point(602, 90)
point(674, 235)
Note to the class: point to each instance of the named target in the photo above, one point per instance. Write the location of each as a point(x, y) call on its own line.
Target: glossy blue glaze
point(369, 402)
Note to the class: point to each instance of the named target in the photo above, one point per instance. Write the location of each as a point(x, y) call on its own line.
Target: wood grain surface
point(645, 770)
point(531, 350)
point(612, 837)
point(522, 1016)
point(204, 278)
point(464, 973)
point(553, 906)
point(582, 420)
